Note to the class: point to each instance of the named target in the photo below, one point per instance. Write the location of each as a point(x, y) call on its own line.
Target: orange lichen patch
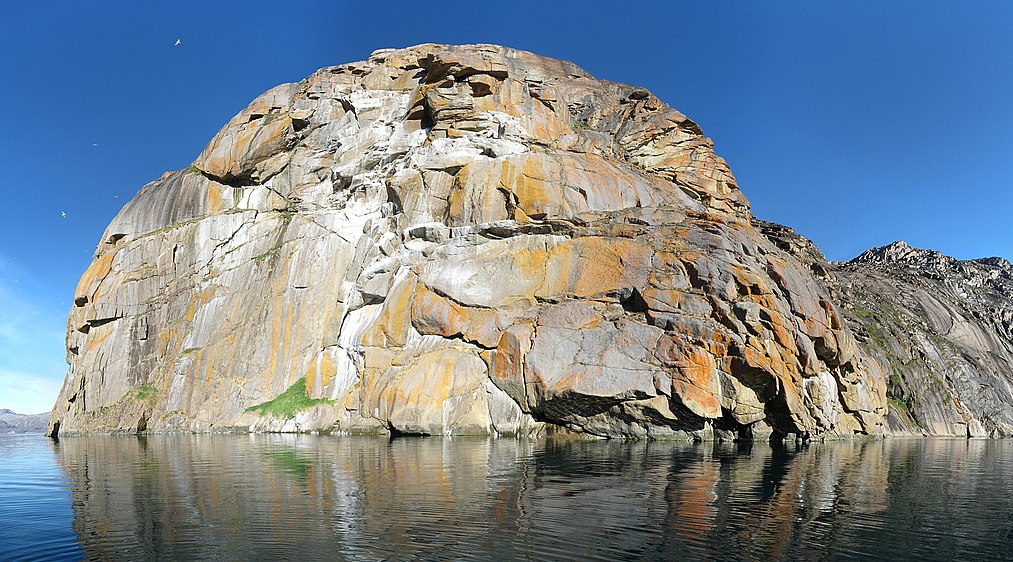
point(313, 385)
point(433, 314)
point(209, 370)
point(435, 383)
point(771, 319)
point(418, 390)
point(165, 337)
point(237, 145)
point(785, 339)
point(390, 329)
point(199, 299)
point(695, 383)
point(833, 318)
point(170, 341)
point(749, 282)
point(604, 186)
point(273, 346)
point(280, 344)
point(286, 340)
point(663, 300)
point(624, 230)
point(87, 287)
point(506, 363)
point(475, 196)
point(328, 369)
point(320, 373)
point(403, 81)
point(456, 201)
point(214, 198)
point(697, 354)
point(433, 98)
point(767, 358)
point(777, 268)
point(666, 260)
point(537, 119)
point(530, 263)
point(535, 181)
point(376, 359)
point(587, 267)
point(782, 335)
point(547, 124)
point(564, 263)
point(232, 341)
point(513, 98)
point(503, 96)
point(95, 340)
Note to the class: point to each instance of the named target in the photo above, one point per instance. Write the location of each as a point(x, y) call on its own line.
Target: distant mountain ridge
point(13, 422)
point(940, 328)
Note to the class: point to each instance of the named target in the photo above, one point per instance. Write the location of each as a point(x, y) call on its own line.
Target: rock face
point(459, 240)
point(11, 422)
point(941, 328)
point(943, 331)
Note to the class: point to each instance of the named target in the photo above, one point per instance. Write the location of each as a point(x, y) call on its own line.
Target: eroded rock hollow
point(459, 240)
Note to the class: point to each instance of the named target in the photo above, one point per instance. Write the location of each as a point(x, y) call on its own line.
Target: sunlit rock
point(458, 240)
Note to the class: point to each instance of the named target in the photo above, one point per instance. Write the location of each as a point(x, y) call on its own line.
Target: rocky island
point(474, 239)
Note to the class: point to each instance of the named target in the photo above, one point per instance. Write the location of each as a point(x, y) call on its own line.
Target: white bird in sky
point(178, 43)
point(63, 214)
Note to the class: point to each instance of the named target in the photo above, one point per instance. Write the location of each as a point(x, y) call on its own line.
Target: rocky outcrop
point(458, 240)
point(11, 422)
point(942, 329)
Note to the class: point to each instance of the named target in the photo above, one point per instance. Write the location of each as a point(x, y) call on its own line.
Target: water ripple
point(308, 497)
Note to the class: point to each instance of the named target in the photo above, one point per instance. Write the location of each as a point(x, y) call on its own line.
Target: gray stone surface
point(452, 240)
point(940, 328)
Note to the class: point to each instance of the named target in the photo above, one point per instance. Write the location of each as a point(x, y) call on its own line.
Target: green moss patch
point(898, 403)
point(289, 403)
point(145, 393)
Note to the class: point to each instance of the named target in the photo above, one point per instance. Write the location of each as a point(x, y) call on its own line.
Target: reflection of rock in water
point(764, 502)
point(271, 496)
point(274, 497)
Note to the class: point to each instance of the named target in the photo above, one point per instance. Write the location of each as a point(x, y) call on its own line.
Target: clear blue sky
point(858, 123)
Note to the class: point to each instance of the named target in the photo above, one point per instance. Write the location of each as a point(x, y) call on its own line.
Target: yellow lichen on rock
point(460, 239)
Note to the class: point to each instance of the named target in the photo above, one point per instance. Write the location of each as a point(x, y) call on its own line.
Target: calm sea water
point(286, 497)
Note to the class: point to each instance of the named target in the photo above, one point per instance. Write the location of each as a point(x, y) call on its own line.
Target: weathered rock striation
point(459, 240)
point(941, 328)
